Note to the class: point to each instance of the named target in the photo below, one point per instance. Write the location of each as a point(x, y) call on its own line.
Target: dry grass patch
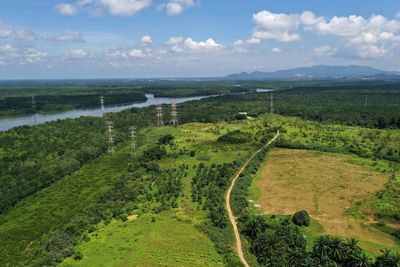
point(325, 185)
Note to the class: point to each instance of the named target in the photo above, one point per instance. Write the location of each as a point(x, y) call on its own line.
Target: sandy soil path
point(232, 217)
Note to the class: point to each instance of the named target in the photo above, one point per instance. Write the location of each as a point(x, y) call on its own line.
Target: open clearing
point(325, 185)
point(161, 240)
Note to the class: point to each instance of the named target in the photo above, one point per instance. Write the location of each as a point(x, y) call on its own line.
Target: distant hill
point(320, 72)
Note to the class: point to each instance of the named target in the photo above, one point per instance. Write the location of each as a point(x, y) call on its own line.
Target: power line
point(133, 140)
point(159, 115)
point(110, 135)
point(174, 115)
point(272, 103)
point(102, 103)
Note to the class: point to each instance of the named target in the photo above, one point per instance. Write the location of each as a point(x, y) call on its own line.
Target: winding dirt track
point(232, 217)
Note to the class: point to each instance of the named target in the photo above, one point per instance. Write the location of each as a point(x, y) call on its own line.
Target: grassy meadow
point(327, 185)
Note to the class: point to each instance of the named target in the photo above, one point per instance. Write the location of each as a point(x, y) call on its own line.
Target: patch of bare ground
point(325, 185)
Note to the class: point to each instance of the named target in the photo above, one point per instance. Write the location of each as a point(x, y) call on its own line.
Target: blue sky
point(192, 38)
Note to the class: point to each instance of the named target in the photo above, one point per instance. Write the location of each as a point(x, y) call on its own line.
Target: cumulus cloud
point(66, 9)
point(21, 55)
point(66, 37)
point(27, 35)
point(77, 53)
point(276, 26)
point(175, 40)
point(116, 54)
point(209, 44)
point(276, 50)
point(136, 53)
point(365, 37)
point(8, 48)
point(325, 50)
point(179, 44)
point(95, 7)
point(176, 7)
point(5, 31)
point(146, 40)
point(35, 55)
point(125, 7)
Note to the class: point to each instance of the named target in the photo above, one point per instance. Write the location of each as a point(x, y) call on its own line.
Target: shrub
point(301, 218)
point(235, 137)
point(166, 139)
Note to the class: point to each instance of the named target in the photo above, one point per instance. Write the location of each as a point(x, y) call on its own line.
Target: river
point(8, 123)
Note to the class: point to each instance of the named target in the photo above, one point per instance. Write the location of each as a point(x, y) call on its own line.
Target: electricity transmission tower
point(102, 102)
point(366, 100)
point(110, 131)
point(33, 103)
point(159, 115)
point(133, 140)
point(272, 103)
point(174, 115)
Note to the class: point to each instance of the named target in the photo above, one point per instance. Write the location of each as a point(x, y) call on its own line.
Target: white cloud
point(8, 48)
point(276, 35)
point(325, 50)
point(27, 35)
point(242, 46)
point(363, 37)
point(116, 54)
point(176, 7)
point(209, 44)
point(175, 40)
point(66, 37)
point(95, 7)
point(5, 31)
point(136, 53)
point(276, 50)
point(34, 55)
point(146, 40)
point(66, 9)
point(22, 55)
point(274, 21)
point(77, 53)
point(276, 26)
point(2, 63)
point(125, 7)
point(179, 44)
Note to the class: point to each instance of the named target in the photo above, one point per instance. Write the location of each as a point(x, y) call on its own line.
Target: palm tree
point(336, 249)
point(361, 260)
point(321, 247)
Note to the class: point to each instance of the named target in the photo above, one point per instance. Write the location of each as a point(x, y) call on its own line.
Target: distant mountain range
point(320, 72)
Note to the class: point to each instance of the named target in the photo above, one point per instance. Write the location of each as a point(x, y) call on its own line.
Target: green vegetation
point(33, 158)
point(149, 240)
point(235, 137)
point(301, 218)
point(65, 202)
point(386, 203)
point(60, 101)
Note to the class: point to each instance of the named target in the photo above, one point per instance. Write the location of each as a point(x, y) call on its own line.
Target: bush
point(166, 139)
point(154, 153)
point(235, 137)
point(301, 218)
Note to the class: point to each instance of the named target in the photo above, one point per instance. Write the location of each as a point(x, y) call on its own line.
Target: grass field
point(167, 241)
point(325, 185)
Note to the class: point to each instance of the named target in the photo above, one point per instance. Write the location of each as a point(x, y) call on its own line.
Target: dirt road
point(232, 217)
